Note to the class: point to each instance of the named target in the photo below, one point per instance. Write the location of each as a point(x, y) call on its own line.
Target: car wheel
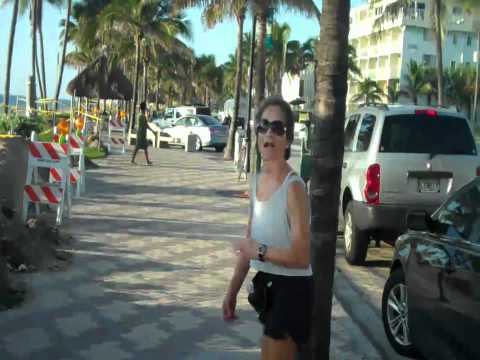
point(198, 144)
point(395, 314)
point(219, 148)
point(356, 241)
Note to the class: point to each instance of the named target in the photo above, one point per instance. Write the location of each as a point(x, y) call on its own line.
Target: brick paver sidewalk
point(152, 259)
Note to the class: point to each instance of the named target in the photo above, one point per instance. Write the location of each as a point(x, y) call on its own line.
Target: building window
point(378, 11)
point(427, 35)
point(429, 60)
point(452, 65)
point(469, 40)
point(454, 38)
point(457, 10)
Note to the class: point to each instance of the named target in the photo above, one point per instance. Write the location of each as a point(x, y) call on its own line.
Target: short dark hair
point(287, 112)
point(143, 106)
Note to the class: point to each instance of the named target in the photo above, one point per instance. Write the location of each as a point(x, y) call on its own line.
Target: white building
point(410, 36)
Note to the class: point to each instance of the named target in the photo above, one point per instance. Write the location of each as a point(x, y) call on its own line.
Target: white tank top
point(270, 225)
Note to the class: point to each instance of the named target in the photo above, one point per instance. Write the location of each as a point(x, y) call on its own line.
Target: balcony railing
point(412, 14)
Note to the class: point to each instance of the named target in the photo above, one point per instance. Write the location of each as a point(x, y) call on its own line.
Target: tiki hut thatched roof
point(100, 81)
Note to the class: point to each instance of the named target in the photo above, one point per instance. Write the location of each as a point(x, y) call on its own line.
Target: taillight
point(372, 186)
point(427, 112)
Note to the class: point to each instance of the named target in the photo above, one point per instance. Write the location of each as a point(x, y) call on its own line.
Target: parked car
point(399, 159)
point(431, 301)
point(171, 114)
point(208, 130)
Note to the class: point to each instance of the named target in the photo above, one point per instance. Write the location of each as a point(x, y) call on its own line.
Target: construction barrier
point(51, 156)
point(117, 135)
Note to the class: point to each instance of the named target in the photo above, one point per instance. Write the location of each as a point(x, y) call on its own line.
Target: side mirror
point(418, 221)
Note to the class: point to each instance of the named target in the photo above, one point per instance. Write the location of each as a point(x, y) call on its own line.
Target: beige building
point(385, 58)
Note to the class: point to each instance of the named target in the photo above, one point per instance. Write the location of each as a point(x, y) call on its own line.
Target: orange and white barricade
point(52, 156)
point(77, 149)
point(117, 135)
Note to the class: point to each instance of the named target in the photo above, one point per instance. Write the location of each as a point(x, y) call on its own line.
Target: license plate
point(429, 186)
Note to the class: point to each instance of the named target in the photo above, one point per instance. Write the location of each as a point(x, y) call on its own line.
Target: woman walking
point(142, 127)
point(277, 242)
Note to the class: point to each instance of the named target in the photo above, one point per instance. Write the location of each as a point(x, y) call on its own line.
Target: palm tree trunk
point(230, 149)
point(438, 40)
point(477, 76)
point(327, 150)
point(42, 61)
point(157, 92)
point(145, 81)
point(259, 86)
point(13, 26)
point(62, 58)
point(135, 84)
point(39, 77)
point(32, 90)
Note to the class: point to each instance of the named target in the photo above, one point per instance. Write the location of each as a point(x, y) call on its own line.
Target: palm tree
point(416, 81)
point(353, 69)
point(11, 39)
point(213, 14)
point(62, 57)
point(299, 55)
point(327, 151)
point(393, 93)
point(152, 19)
point(474, 7)
point(368, 92)
point(276, 56)
point(261, 10)
point(392, 11)
point(460, 87)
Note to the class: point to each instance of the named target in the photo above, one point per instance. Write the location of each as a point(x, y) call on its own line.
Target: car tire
point(355, 240)
point(395, 306)
point(198, 144)
point(219, 148)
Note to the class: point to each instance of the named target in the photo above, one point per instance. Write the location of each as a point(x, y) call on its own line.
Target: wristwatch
point(262, 251)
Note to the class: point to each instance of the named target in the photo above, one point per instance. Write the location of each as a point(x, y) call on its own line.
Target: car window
point(459, 218)
point(208, 120)
point(180, 122)
point(196, 122)
point(365, 132)
point(188, 122)
point(350, 129)
point(423, 134)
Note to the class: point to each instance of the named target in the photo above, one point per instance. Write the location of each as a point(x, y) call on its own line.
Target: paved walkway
point(152, 259)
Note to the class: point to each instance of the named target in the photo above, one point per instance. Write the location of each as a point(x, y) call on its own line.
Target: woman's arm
point(298, 255)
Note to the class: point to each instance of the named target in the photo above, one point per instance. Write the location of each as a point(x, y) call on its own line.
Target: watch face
point(262, 250)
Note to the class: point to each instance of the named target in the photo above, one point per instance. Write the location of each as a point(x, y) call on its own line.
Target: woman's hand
point(248, 248)
point(229, 304)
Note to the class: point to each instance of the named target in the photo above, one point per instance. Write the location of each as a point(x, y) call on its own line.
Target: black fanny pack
point(260, 294)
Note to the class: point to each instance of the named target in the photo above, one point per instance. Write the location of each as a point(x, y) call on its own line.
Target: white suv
point(399, 159)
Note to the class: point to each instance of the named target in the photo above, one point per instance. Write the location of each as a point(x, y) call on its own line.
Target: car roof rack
point(376, 105)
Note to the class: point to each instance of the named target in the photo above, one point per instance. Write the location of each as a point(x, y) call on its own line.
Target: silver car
point(399, 159)
point(209, 132)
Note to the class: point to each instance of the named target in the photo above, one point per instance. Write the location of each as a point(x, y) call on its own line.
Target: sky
point(219, 41)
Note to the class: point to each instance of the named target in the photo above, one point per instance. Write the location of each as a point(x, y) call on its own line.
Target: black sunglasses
point(278, 127)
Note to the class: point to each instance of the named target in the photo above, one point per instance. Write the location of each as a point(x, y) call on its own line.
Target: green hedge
point(23, 126)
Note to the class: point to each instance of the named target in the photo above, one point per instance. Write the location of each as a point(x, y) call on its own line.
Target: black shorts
point(289, 309)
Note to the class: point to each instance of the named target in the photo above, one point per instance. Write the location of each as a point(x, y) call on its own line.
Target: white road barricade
point(53, 156)
point(117, 135)
point(77, 149)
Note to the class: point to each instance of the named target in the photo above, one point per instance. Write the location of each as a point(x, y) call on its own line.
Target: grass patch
point(46, 135)
point(94, 153)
